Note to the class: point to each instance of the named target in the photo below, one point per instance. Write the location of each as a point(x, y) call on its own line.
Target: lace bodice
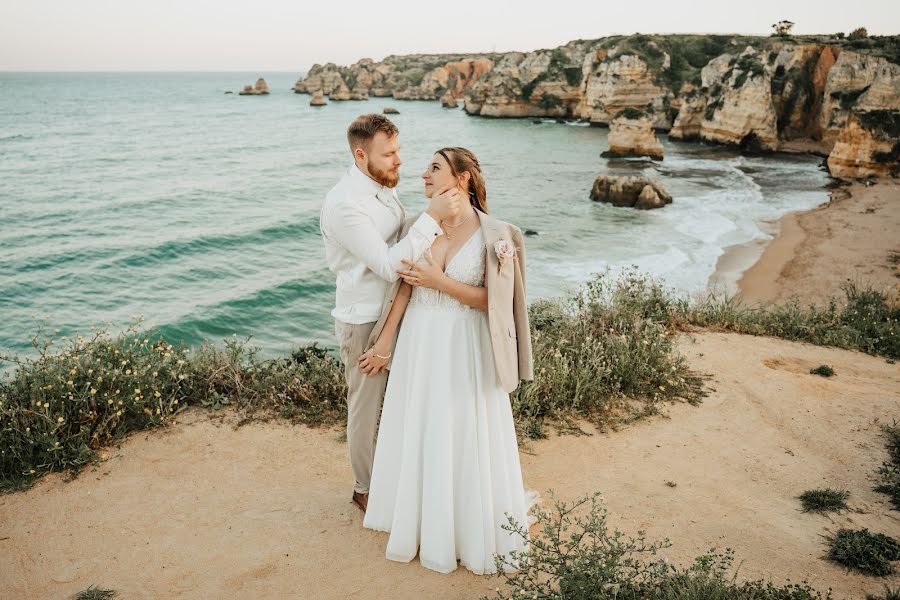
point(466, 266)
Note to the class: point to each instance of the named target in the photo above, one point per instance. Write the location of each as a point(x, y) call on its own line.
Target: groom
point(360, 224)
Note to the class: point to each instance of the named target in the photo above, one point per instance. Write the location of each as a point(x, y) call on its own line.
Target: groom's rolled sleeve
point(358, 235)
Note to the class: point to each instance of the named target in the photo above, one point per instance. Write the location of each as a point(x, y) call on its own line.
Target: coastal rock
point(544, 83)
point(622, 81)
point(340, 93)
point(321, 78)
point(390, 110)
point(630, 134)
point(754, 92)
point(448, 101)
point(740, 110)
point(868, 145)
point(261, 86)
point(857, 82)
point(649, 198)
point(632, 191)
point(318, 99)
point(689, 119)
point(260, 89)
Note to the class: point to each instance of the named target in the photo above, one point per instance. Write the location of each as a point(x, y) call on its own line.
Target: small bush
point(866, 552)
point(890, 471)
point(576, 555)
point(822, 501)
point(629, 112)
point(889, 594)
point(95, 593)
point(823, 371)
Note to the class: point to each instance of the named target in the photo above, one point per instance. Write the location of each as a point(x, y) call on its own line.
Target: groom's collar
point(365, 182)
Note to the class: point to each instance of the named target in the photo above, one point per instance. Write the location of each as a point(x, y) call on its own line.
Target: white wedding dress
point(446, 468)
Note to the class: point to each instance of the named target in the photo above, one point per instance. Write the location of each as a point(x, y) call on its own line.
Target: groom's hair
point(364, 128)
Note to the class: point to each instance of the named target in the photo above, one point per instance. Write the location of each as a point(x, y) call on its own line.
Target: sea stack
point(631, 134)
point(634, 191)
point(260, 89)
point(390, 110)
point(318, 99)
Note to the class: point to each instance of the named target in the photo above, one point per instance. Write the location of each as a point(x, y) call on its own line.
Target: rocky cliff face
point(630, 134)
point(868, 145)
point(758, 93)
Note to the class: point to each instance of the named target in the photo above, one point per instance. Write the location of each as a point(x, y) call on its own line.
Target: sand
point(855, 236)
point(204, 509)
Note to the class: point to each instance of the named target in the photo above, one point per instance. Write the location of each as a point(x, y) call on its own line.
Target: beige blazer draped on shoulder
point(507, 308)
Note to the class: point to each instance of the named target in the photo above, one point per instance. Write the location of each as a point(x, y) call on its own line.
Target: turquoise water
point(158, 194)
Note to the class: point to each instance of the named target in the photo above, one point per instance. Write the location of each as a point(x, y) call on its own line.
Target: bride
point(446, 470)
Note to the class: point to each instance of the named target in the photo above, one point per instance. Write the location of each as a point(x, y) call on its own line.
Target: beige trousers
point(364, 397)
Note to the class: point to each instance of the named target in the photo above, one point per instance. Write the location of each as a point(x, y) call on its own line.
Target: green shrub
point(68, 402)
point(576, 555)
point(889, 594)
point(95, 593)
point(866, 552)
point(890, 471)
point(827, 500)
point(602, 354)
point(629, 112)
point(823, 371)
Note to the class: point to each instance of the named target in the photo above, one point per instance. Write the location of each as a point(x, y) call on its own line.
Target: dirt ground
point(206, 510)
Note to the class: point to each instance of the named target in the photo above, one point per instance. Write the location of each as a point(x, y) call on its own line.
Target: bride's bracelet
point(380, 356)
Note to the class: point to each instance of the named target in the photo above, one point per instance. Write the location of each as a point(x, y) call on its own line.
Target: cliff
point(757, 93)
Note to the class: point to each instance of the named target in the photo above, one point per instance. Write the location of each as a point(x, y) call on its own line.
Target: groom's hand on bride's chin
point(444, 204)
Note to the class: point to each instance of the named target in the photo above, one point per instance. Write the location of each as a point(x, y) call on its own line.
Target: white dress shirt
point(359, 222)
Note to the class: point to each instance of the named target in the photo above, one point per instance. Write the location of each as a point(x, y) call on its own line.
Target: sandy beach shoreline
point(854, 236)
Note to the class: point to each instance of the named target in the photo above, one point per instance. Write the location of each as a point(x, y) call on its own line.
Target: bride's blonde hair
point(462, 160)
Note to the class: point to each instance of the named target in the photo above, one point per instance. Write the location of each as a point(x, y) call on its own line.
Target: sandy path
point(851, 237)
point(203, 510)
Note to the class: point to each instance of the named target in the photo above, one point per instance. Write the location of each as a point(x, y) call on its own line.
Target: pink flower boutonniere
point(505, 250)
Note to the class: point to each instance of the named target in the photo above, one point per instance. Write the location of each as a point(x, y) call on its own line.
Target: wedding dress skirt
point(446, 470)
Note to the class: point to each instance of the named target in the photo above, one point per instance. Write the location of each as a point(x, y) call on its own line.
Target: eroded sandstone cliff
point(757, 93)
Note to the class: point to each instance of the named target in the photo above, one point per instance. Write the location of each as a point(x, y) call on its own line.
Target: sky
point(291, 35)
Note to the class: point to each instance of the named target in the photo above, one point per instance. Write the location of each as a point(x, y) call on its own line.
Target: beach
point(854, 236)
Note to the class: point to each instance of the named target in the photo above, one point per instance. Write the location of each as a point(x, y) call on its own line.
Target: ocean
point(157, 194)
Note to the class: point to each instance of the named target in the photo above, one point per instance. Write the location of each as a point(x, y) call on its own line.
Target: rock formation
point(448, 101)
point(318, 99)
point(868, 145)
point(260, 89)
point(632, 191)
point(390, 110)
point(754, 92)
point(630, 134)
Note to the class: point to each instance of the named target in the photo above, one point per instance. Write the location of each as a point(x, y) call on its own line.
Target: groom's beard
point(386, 178)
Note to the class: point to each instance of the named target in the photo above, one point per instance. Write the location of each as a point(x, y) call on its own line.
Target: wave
point(14, 137)
point(271, 311)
